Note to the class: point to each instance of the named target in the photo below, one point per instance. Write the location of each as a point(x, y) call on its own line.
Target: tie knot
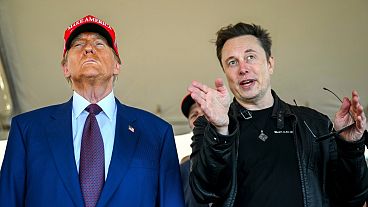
point(93, 109)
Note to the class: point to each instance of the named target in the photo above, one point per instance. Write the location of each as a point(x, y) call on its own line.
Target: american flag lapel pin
point(131, 128)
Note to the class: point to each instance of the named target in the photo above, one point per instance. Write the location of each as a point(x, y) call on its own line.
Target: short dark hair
point(240, 29)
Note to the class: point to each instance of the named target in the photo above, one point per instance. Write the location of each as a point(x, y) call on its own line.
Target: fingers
point(200, 87)
point(356, 107)
point(350, 111)
point(220, 87)
point(219, 83)
point(344, 108)
point(198, 91)
point(359, 124)
point(357, 111)
point(201, 94)
point(213, 102)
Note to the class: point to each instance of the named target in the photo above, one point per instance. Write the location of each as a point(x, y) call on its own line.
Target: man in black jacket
point(261, 151)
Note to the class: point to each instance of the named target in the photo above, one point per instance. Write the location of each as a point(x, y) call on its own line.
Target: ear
point(271, 64)
point(117, 68)
point(66, 70)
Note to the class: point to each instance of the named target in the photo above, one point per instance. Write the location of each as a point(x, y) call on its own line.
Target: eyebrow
point(249, 50)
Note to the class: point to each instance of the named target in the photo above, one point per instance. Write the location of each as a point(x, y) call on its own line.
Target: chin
point(249, 95)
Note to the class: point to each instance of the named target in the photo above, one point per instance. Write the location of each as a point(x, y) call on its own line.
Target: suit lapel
point(59, 134)
point(126, 139)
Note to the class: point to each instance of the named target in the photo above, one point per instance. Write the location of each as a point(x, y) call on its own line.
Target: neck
point(266, 101)
point(93, 93)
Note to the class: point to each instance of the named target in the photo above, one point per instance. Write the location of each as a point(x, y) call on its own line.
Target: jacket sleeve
point(170, 189)
point(212, 161)
point(349, 176)
point(13, 170)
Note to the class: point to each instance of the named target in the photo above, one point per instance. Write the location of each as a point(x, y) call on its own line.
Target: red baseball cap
point(90, 23)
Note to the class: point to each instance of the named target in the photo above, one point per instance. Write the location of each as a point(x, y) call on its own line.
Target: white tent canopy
point(166, 44)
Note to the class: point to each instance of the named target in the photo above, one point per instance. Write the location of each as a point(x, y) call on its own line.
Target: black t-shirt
point(268, 172)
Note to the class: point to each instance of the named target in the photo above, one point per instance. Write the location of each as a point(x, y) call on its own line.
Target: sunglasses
point(334, 132)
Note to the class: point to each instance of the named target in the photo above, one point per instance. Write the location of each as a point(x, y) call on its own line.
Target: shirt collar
point(107, 104)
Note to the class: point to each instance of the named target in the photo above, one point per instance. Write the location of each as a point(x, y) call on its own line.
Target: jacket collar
point(59, 136)
point(127, 135)
point(280, 110)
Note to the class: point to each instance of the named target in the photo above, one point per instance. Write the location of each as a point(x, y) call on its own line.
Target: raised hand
point(343, 118)
point(215, 103)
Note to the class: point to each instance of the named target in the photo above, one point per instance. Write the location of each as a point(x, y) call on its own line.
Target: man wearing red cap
point(191, 111)
point(92, 150)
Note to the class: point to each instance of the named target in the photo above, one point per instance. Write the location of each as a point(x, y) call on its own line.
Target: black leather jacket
point(333, 172)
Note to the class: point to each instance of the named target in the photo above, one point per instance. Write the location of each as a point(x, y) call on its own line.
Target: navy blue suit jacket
point(39, 167)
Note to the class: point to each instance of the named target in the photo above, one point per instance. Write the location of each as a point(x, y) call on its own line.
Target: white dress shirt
point(106, 120)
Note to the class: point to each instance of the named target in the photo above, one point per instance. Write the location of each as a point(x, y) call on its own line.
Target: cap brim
point(89, 27)
point(186, 104)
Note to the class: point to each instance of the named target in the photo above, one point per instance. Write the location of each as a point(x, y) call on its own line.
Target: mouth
point(88, 61)
point(247, 82)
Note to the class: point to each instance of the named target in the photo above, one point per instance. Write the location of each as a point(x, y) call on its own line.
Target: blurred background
point(165, 44)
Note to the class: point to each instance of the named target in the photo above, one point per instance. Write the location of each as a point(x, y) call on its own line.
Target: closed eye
point(77, 44)
point(100, 43)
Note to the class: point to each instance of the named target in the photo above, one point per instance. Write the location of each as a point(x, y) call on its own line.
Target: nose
point(89, 48)
point(243, 69)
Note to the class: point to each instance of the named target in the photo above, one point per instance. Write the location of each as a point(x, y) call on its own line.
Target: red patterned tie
point(92, 159)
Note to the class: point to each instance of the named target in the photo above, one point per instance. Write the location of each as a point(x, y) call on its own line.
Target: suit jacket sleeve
point(170, 192)
point(13, 170)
